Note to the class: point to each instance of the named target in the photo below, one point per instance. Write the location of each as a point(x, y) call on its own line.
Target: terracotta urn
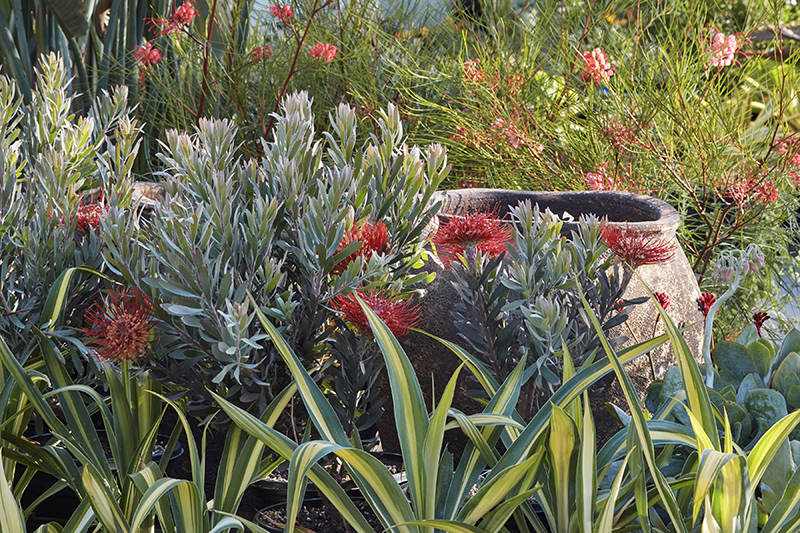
point(435, 364)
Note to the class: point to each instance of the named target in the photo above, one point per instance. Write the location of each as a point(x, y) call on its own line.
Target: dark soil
point(316, 517)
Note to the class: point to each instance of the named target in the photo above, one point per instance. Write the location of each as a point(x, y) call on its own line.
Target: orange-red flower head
point(482, 231)
point(636, 247)
point(662, 298)
point(122, 328)
point(398, 315)
point(373, 238)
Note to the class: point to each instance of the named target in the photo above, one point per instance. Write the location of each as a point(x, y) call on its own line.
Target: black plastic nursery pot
point(60, 506)
point(314, 515)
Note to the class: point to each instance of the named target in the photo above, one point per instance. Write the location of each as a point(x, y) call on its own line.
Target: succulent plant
point(754, 383)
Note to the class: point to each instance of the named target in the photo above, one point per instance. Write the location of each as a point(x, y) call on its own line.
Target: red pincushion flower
point(122, 329)
point(89, 215)
point(398, 315)
point(662, 298)
point(482, 230)
point(373, 238)
point(759, 319)
point(636, 247)
point(706, 301)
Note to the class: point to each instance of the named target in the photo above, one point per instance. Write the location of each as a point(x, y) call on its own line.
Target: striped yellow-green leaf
point(487, 420)
point(319, 409)
point(103, 500)
point(496, 519)
point(158, 489)
point(495, 490)
point(432, 448)
point(144, 479)
point(444, 525)
point(188, 508)
point(285, 448)
point(711, 462)
point(11, 520)
point(762, 453)
point(605, 521)
point(568, 392)
point(642, 433)
point(410, 414)
point(586, 473)
point(784, 517)
point(562, 451)
point(478, 369)
point(693, 383)
point(377, 485)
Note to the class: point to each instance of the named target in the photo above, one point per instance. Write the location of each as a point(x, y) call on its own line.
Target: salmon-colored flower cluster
point(147, 55)
point(260, 53)
point(722, 48)
point(182, 17)
point(398, 315)
point(596, 66)
point(121, 329)
point(751, 184)
point(282, 13)
point(637, 248)
point(481, 231)
point(600, 180)
point(324, 50)
point(373, 238)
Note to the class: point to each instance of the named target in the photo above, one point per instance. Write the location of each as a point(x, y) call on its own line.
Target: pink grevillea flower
point(481, 231)
point(373, 238)
point(472, 72)
point(325, 51)
point(759, 319)
point(662, 298)
point(398, 315)
point(282, 13)
point(637, 248)
point(147, 55)
point(722, 49)
point(600, 180)
point(705, 302)
point(122, 328)
point(260, 52)
point(182, 17)
point(596, 66)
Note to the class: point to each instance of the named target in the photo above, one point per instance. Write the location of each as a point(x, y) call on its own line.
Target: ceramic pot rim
point(648, 214)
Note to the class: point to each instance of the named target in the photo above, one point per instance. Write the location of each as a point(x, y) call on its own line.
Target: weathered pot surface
point(634, 211)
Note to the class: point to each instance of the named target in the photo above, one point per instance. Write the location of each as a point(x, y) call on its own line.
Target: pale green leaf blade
point(711, 462)
point(605, 521)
